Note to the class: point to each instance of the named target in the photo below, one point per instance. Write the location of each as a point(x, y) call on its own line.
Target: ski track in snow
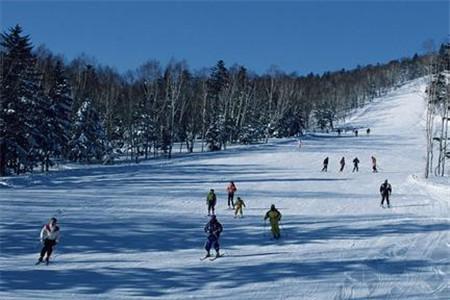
point(136, 231)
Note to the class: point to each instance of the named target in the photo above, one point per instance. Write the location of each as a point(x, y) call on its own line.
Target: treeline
point(85, 112)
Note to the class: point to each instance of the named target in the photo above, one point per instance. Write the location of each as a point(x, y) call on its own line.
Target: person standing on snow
point(325, 164)
point(213, 228)
point(231, 189)
point(385, 191)
point(342, 162)
point(239, 204)
point(368, 131)
point(49, 238)
point(355, 164)
point(274, 217)
point(374, 164)
point(211, 201)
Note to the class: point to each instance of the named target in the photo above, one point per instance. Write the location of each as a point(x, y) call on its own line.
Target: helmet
point(213, 218)
point(53, 220)
point(272, 206)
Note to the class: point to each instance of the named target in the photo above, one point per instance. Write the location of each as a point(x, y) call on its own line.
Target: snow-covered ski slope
point(136, 231)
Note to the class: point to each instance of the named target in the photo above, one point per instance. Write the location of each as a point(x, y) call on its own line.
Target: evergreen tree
point(60, 111)
point(23, 105)
point(88, 142)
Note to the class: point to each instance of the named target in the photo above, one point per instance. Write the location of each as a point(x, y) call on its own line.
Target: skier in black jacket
point(325, 164)
point(355, 164)
point(385, 191)
point(213, 228)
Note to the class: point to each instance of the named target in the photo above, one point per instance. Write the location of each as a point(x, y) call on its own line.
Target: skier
point(211, 200)
point(49, 238)
point(356, 132)
point(231, 189)
point(239, 204)
point(325, 164)
point(339, 132)
point(355, 164)
point(274, 217)
point(213, 228)
point(374, 164)
point(368, 131)
point(342, 162)
point(385, 191)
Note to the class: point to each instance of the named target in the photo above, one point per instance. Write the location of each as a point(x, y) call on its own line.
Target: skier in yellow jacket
point(274, 217)
point(238, 205)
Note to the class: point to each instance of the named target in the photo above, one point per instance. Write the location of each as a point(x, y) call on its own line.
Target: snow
point(135, 231)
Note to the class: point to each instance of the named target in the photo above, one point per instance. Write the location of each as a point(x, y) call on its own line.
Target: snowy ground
point(135, 231)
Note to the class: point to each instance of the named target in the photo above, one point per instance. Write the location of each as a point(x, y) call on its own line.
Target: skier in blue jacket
point(213, 228)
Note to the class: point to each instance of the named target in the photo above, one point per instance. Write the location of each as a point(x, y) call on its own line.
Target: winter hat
point(53, 220)
point(272, 206)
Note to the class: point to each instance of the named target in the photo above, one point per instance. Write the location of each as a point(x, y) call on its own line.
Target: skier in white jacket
point(49, 238)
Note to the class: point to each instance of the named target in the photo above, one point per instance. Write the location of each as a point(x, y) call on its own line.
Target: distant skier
point(49, 238)
point(374, 164)
point(342, 162)
point(231, 189)
point(211, 201)
point(339, 132)
point(356, 132)
point(385, 191)
point(300, 144)
point(213, 228)
point(239, 204)
point(368, 131)
point(325, 164)
point(274, 217)
point(355, 164)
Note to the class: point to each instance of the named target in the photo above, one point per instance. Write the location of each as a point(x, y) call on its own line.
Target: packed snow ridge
point(136, 231)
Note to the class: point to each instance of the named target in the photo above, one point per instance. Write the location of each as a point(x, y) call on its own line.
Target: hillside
point(136, 231)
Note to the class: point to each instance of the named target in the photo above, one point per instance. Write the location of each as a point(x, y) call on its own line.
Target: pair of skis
point(211, 258)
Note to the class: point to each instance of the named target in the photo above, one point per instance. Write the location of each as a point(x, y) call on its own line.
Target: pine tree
point(88, 142)
point(60, 111)
point(23, 104)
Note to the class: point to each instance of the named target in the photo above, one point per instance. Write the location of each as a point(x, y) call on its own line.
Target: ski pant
point(230, 199)
point(212, 242)
point(211, 206)
point(325, 167)
point(355, 168)
point(48, 248)
point(374, 169)
point(383, 197)
point(238, 210)
point(275, 229)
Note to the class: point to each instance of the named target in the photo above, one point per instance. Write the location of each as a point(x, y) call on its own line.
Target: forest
point(81, 111)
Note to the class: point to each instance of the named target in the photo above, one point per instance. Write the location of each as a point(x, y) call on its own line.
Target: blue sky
point(300, 36)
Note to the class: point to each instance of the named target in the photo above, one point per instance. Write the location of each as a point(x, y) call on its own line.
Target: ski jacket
point(374, 161)
point(239, 203)
point(231, 188)
point(214, 228)
point(385, 189)
point(342, 161)
point(325, 162)
point(211, 197)
point(274, 216)
point(49, 232)
point(356, 161)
